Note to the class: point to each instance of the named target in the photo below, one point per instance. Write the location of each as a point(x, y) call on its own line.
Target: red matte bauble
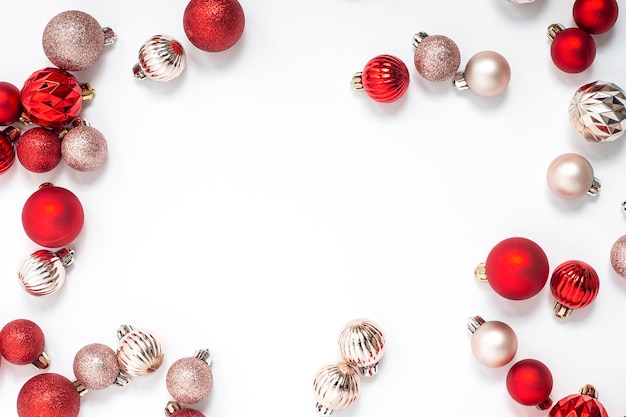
point(385, 78)
point(574, 284)
point(21, 342)
point(573, 50)
point(10, 104)
point(529, 382)
point(7, 152)
point(213, 25)
point(39, 150)
point(187, 412)
point(578, 405)
point(52, 97)
point(595, 16)
point(52, 216)
point(48, 395)
point(517, 268)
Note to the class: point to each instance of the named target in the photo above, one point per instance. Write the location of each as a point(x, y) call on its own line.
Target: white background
point(258, 203)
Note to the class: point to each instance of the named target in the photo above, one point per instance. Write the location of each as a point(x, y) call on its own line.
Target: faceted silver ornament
point(139, 352)
point(161, 58)
point(336, 386)
point(362, 345)
point(597, 111)
point(43, 271)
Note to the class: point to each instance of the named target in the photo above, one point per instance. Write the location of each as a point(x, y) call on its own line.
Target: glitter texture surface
point(95, 366)
point(38, 150)
point(618, 256)
point(187, 412)
point(21, 342)
point(73, 40)
point(84, 148)
point(213, 25)
point(437, 58)
point(189, 380)
point(48, 395)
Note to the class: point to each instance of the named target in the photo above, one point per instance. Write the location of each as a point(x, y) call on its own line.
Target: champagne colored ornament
point(597, 111)
point(95, 367)
point(43, 271)
point(52, 216)
point(618, 256)
point(595, 16)
point(213, 25)
point(190, 380)
point(384, 78)
point(10, 104)
point(336, 386)
point(74, 40)
point(39, 150)
point(516, 268)
point(574, 285)
point(572, 50)
point(487, 74)
point(570, 176)
point(161, 58)
point(49, 395)
point(437, 57)
point(84, 148)
point(7, 148)
point(139, 352)
point(362, 345)
point(530, 382)
point(584, 404)
point(494, 343)
point(22, 342)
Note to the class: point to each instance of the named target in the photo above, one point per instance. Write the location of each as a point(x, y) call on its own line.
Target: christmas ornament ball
point(48, 395)
point(213, 25)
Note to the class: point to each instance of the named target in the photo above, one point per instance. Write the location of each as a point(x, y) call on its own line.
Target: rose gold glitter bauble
point(213, 25)
point(95, 366)
point(39, 150)
point(437, 58)
point(84, 148)
point(189, 380)
point(618, 256)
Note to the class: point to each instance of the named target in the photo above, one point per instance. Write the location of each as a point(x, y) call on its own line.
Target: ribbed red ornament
point(595, 16)
point(572, 50)
point(385, 78)
point(213, 25)
point(529, 382)
point(48, 395)
point(10, 104)
point(7, 150)
point(21, 342)
point(579, 405)
point(517, 268)
point(574, 284)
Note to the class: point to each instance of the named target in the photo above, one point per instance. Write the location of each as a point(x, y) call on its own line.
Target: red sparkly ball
point(595, 16)
point(187, 412)
point(21, 342)
point(529, 382)
point(52, 216)
point(7, 152)
point(52, 97)
point(10, 104)
point(385, 78)
point(578, 405)
point(48, 395)
point(517, 268)
point(573, 50)
point(574, 284)
point(213, 25)
point(39, 149)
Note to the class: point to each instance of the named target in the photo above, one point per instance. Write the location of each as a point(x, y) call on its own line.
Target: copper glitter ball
point(437, 57)
point(95, 366)
point(84, 148)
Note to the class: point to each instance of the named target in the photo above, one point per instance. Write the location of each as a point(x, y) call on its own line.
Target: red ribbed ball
point(213, 25)
point(48, 395)
point(385, 78)
point(21, 342)
point(574, 284)
point(39, 150)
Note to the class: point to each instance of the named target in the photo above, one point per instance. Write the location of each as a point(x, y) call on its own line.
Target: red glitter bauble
point(21, 342)
point(187, 412)
point(10, 104)
point(39, 149)
point(529, 382)
point(385, 78)
point(52, 216)
point(574, 284)
point(595, 16)
point(578, 405)
point(517, 268)
point(7, 152)
point(213, 25)
point(52, 97)
point(573, 50)
point(48, 395)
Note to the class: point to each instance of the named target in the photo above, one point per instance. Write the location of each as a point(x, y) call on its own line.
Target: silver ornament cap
point(362, 345)
point(161, 58)
point(336, 386)
point(139, 352)
point(43, 271)
point(597, 111)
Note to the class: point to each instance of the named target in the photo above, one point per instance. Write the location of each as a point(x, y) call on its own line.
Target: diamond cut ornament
point(597, 111)
point(584, 404)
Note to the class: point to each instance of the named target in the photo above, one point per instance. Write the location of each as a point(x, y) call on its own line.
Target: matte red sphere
point(529, 382)
point(517, 268)
point(52, 216)
point(595, 16)
point(7, 152)
point(213, 25)
point(10, 104)
point(39, 150)
point(21, 342)
point(574, 284)
point(385, 78)
point(573, 50)
point(578, 405)
point(48, 395)
point(187, 412)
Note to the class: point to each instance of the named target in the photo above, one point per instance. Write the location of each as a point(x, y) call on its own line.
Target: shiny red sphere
point(574, 284)
point(595, 16)
point(578, 405)
point(48, 395)
point(52, 216)
point(529, 382)
point(187, 412)
point(517, 268)
point(573, 50)
point(21, 342)
point(10, 104)
point(39, 150)
point(385, 78)
point(213, 25)
point(7, 152)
